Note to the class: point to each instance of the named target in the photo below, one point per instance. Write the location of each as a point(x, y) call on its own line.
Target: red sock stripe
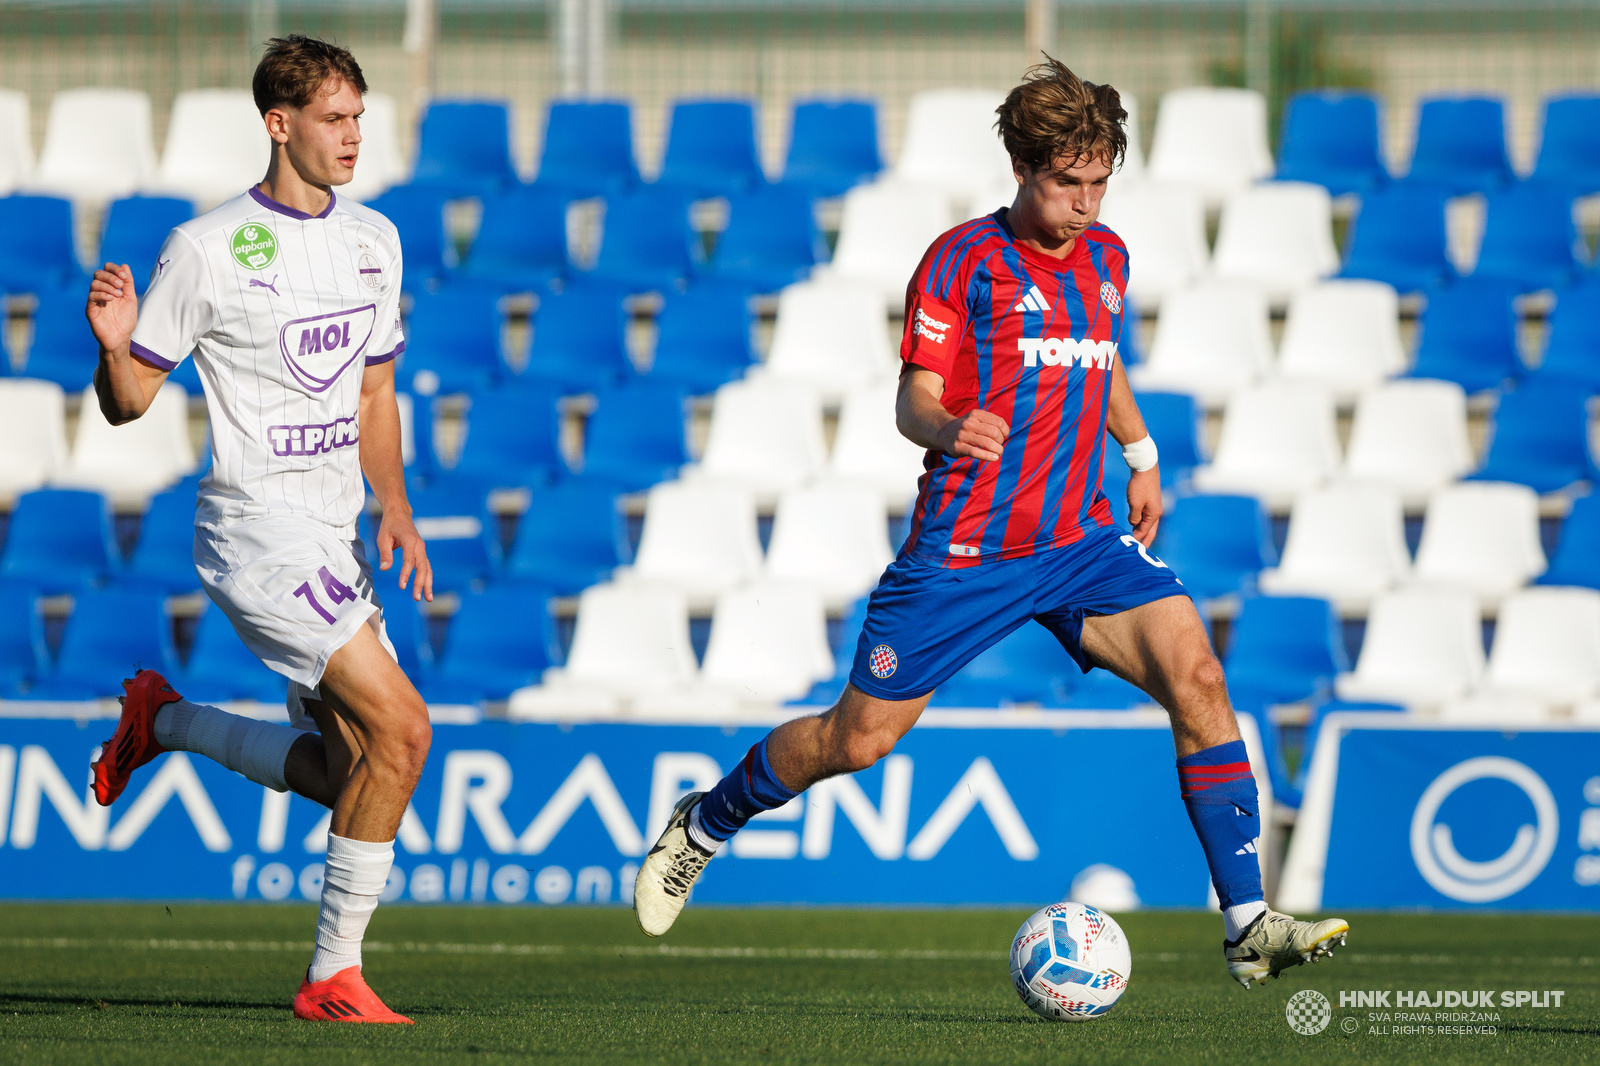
point(1221, 767)
point(1194, 779)
point(750, 767)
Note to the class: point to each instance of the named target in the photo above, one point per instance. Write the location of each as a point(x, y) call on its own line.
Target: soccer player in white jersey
point(288, 298)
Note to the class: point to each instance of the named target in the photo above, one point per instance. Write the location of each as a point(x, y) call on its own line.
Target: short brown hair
point(1055, 115)
point(296, 67)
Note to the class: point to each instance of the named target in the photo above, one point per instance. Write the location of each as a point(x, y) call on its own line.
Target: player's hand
point(978, 433)
point(1144, 504)
point(113, 308)
point(398, 531)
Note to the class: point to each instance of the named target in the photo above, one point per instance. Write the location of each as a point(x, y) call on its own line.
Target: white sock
point(258, 750)
point(353, 874)
point(1237, 918)
point(698, 835)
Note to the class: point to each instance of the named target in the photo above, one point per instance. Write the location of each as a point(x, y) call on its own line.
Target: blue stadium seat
point(580, 341)
point(1285, 648)
point(570, 537)
point(771, 240)
point(498, 641)
point(513, 439)
point(23, 655)
point(1541, 437)
point(1461, 145)
point(417, 212)
point(1399, 237)
point(1216, 544)
point(407, 629)
point(1469, 335)
point(711, 148)
point(135, 229)
point(1569, 149)
point(220, 667)
point(522, 240)
point(1258, 709)
point(60, 540)
point(1572, 350)
point(1026, 666)
point(636, 436)
point(848, 634)
point(452, 342)
point(588, 149)
point(464, 148)
point(1114, 475)
point(1308, 746)
point(1174, 424)
point(461, 535)
point(36, 244)
point(163, 560)
point(703, 338)
point(647, 243)
point(110, 635)
point(1530, 240)
point(63, 348)
point(1575, 561)
point(1330, 138)
point(833, 145)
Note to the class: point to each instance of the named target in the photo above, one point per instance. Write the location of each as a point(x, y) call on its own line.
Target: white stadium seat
point(951, 143)
point(1547, 643)
point(33, 435)
point(867, 445)
point(1164, 227)
point(16, 141)
point(1347, 544)
point(699, 537)
point(831, 335)
point(1481, 537)
point(1278, 235)
point(131, 462)
point(884, 230)
point(217, 146)
point(1279, 438)
point(1212, 339)
point(379, 164)
point(1422, 648)
point(766, 434)
point(832, 536)
point(1133, 166)
point(1496, 706)
point(1212, 139)
point(407, 406)
point(1412, 436)
point(1345, 333)
point(97, 145)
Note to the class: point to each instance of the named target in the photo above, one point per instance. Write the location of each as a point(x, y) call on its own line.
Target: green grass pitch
point(211, 983)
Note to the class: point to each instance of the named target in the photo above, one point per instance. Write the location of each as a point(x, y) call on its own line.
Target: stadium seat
point(453, 342)
point(1132, 169)
point(16, 141)
point(62, 349)
point(499, 641)
point(636, 436)
point(60, 540)
point(37, 252)
point(1572, 347)
point(580, 341)
point(831, 336)
point(765, 434)
point(1114, 478)
point(1461, 145)
point(1211, 340)
point(512, 439)
point(1410, 435)
point(1285, 648)
point(1216, 544)
point(380, 165)
point(588, 148)
point(703, 338)
point(1469, 335)
point(1212, 139)
point(131, 462)
point(1346, 544)
point(844, 639)
point(23, 654)
point(522, 240)
point(647, 243)
point(1173, 421)
point(833, 537)
point(1575, 561)
point(1330, 137)
point(217, 146)
point(416, 435)
point(464, 148)
point(1345, 334)
point(570, 537)
point(221, 668)
point(418, 214)
point(407, 629)
point(771, 240)
point(833, 146)
point(1540, 437)
point(1399, 237)
point(1027, 665)
point(1569, 145)
point(1278, 439)
point(868, 447)
point(462, 536)
point(699, 537)
point(33, 437)
point(97, 145)
point(1481, 538)
point(1530, 240)
point(1547, 644)
point(950, 144)
point(1164, 227)
point(711, 148)
point(1422, 649)
point(1278, 235)
point(884, 230)
point(163, 559)
point(135, 229)
point(110, 635)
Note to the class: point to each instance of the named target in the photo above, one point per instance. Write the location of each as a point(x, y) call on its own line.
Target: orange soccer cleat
point(134, 743)
point(344, 997)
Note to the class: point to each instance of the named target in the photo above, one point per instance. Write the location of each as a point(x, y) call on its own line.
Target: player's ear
point(277, 122)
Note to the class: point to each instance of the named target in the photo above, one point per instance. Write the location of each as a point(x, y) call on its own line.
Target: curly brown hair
point(1056, 116)
point(295, 68)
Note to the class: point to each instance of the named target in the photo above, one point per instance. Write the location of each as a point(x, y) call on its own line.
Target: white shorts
point(296, 591)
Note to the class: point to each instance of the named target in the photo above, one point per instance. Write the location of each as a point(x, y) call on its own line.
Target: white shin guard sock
point(258, 750)
point(353, 875)
point(1237, 918)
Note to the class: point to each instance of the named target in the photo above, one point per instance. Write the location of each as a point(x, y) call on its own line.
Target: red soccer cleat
point(134, 742)
point(344, 997)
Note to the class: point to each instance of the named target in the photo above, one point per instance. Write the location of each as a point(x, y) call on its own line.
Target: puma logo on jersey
point(257, 283)
point(320, 348)
point(1034, 301)
point(1064, 351)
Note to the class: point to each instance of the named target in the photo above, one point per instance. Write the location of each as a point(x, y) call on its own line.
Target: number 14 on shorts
point(337, 591)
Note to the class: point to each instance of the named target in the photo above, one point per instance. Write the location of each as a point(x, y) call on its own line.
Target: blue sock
point(751, 788)
point(1220, 793)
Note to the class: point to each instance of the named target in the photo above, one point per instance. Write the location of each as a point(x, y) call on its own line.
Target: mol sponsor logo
point(320, 348)
point(1064, 351)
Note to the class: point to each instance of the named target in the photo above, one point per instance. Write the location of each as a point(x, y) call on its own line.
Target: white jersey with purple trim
point(283, 312)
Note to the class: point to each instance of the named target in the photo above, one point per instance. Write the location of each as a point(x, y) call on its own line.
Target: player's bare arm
point(923, 420)
point(1126, 425)
point(379, 422)
point(124, 385)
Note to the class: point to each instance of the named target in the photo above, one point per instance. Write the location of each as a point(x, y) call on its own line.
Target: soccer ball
point(1070, 962)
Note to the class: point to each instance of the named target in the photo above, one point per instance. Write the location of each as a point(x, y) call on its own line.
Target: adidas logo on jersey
point(1064, 351)
point(1034, 301)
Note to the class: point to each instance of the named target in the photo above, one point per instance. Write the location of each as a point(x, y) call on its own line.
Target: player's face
point(1063, 200)
point(324, 137)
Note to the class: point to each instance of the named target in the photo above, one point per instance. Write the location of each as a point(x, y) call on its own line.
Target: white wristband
point(1140, 455)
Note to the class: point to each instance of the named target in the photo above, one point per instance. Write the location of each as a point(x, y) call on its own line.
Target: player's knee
point(1206, 681)
point(862, 749)
point(405, 743)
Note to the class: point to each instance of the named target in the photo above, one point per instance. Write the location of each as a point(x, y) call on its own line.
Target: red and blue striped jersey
point(1033, 339)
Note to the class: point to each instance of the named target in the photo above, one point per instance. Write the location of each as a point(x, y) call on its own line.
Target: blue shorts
point(924, 623)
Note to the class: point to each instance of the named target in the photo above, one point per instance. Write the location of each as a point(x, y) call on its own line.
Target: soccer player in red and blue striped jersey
point(1011, 379)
